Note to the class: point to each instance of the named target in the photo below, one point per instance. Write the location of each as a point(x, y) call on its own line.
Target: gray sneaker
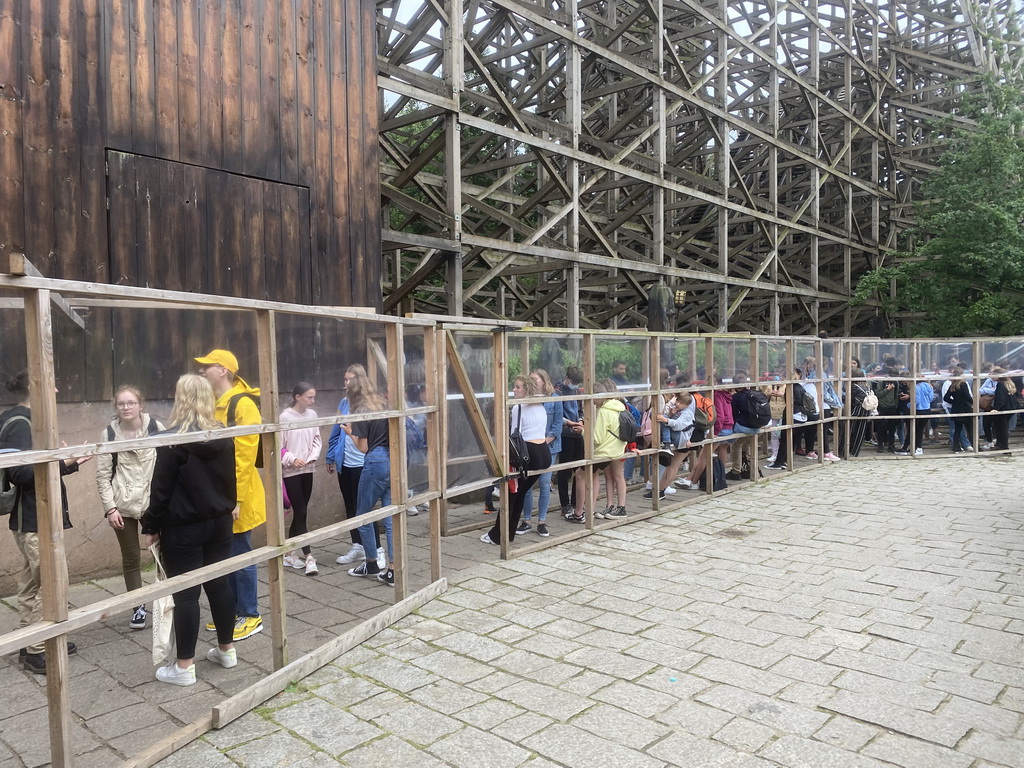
point(616, 513)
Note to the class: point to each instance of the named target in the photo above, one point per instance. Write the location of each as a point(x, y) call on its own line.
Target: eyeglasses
point(131, 404)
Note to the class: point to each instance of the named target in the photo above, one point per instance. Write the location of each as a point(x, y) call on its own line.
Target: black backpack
point(718, 481)
point(803, 402)
point(627, 427)
point(758, 410)
point(232, 405)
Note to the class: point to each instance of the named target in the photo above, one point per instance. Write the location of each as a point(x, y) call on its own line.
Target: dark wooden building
point(216, 146)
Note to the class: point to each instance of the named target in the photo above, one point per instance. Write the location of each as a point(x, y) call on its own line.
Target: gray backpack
point(8, 490)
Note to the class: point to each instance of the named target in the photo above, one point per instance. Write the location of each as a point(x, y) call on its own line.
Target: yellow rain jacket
point(252, 501)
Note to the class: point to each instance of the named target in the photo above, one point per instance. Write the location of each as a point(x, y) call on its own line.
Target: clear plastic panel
point(465, 459)
point(623, 360)
point(773, 359)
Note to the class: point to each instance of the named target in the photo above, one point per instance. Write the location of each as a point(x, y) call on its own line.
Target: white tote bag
point(162, 616)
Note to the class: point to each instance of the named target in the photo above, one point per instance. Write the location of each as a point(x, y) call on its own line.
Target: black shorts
point(601, 465)
point(696, 438)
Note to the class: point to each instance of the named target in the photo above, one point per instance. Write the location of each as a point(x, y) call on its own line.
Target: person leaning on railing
point(16, 434)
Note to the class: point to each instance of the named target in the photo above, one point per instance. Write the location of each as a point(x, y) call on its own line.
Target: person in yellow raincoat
point(237, 405)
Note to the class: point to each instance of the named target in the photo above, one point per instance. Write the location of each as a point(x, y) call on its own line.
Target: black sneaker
point(387, 577)
point(138, 620)
point(35, 662)
point(577, 518)
point(568, 511)
point(362, 570)
point(523, 527)
point(734, 476)
point(650, 494)
point(542, 530)
point(616, 514)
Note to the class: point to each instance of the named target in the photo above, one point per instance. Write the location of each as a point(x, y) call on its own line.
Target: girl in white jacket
point(123, 480)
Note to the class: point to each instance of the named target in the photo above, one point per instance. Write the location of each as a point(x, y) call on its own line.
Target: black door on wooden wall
point(181, 227)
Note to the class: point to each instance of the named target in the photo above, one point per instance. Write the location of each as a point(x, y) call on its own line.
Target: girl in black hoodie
point(192, 506)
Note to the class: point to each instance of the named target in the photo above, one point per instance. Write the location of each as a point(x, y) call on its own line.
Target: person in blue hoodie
point(924, 395)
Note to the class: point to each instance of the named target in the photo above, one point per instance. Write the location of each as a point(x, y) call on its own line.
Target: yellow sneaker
point(247, 626)
point(210, 626)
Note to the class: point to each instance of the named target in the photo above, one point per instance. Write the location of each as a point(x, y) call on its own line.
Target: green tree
point(962, 270)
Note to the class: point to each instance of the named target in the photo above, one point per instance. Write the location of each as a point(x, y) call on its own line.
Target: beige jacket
point(127, 487)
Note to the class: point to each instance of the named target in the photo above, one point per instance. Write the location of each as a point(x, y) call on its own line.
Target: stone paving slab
point(867, 614)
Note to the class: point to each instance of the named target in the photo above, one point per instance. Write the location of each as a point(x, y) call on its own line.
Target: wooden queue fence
point(38, 296)
point(767, 361)
point(456, 396)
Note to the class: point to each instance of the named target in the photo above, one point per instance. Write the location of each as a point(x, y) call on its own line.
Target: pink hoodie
point(723, 411)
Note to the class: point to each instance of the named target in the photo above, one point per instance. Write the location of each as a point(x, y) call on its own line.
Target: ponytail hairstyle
point(300, 389)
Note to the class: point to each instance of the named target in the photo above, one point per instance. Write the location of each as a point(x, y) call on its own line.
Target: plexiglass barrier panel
point(470, 416)
point(773, 360)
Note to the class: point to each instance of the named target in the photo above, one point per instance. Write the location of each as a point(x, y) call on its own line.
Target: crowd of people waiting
point(201, 500)
point(680, 421)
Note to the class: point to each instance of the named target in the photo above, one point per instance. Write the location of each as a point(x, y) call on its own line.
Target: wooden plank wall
point(237, 143)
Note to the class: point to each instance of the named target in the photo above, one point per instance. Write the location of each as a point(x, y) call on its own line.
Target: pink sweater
point(299, 444)
point(723, 411)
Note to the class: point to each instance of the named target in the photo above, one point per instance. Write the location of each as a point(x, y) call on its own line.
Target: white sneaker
point(175, 675)
point(382, 559)
point(226, 659)
point(412, 511)
point(919, 452)
point(354, 554)
point(770, 459)
point(682, 482)
point(291, 561)
point(310, 565)
point(670, 490)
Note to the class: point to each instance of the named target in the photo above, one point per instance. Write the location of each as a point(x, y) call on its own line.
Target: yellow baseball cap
point(220, 357)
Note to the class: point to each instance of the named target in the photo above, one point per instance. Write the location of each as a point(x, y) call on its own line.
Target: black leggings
point(185, 548)
point(572, 450)
point(1001, 430)
point(348, 482)
point(808, 435)
point(300, 490)
point(540, 458)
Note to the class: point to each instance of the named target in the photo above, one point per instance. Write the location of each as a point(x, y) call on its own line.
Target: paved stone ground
point(867, 614)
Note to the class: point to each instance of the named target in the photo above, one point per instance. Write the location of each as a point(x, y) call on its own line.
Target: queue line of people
point(200, 501)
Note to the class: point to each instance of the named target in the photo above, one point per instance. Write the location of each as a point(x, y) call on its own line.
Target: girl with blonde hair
point(553, 435)
point(372, 439)
point(531, 420)
point(192, 506)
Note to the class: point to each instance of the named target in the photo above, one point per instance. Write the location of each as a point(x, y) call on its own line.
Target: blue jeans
point(243, 581)
point(374, 486)
point(965, 435)
point(544, 497)
point(628, 467)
